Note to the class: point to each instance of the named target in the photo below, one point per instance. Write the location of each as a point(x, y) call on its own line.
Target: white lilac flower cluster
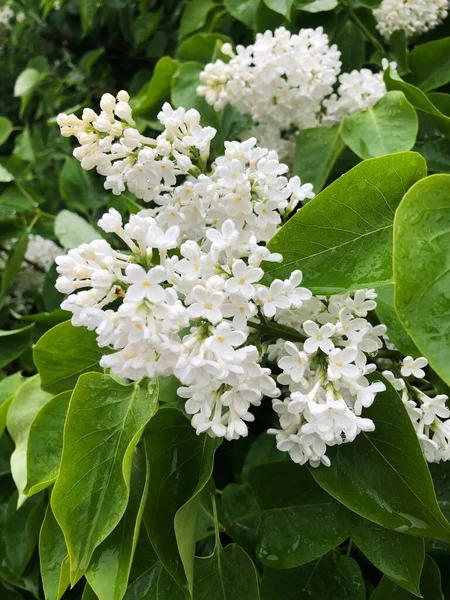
point(414, 16)
point(426, 409)
point(39, 257)
point(285, 82)
point(324, 376)
point(186, 296)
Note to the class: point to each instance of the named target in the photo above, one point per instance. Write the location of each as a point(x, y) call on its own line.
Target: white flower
point(340, 364)
point(145, 284)
point(227, 237)
point(206, 304)
point(294, 363)
point(414, 367)
point(273, 297)
point(157, 238)
point(319, 337)
point(111, 221)
point(434, 407)
point(398, 384)
point(224, 339)
point(414, 16)
point(243, 278)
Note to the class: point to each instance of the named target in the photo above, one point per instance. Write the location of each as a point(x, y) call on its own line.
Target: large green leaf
point(300, 521)
point(228, 574)
point(430, 64)
point(148, 101)
point(388, 315)
point(180, 464)
point(430, 586)
point(283, 7)
point(74, 185)
point(19, 531)
point(13, 202)
point(342, 239)
point(104, 424)
point(244, 11)
point(29, 399)
point(389, 126)
point(201, 47)
point(45, 442)
point(64, 353)
point(27, 81)
point(72, 230)
point(6, 128)
point(194, 16)
point(416, 96)
point(351, 44)
point(54, 560)
point(422, 268)
point(184, 92)
point(383, 475)
point(111, 562)
point(145, 571)
point(400, 557)
point(316, 152)
point(14, 343)
point(241, 515)
point(332, 577)
point(8, 389)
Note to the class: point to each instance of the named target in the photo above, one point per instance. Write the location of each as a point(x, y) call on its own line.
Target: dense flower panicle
point(414, 16)
point(357, 91)
point(428, 411)
point(281, 79)
point(285, 82)
point(186, 297)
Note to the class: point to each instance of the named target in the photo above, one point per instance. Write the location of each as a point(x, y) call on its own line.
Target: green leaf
point(383, 476)
point(184, 92)
point(399, 50)
point(23, 148)
point(389, 126)
point(430, 586)
point(332, 577)
point(228, 574)
point(201, 47)
point(104, 424)
point(6, 128)
point(54, 560)
point(316, 6)
point(111, 562)
point(145, 571)
point(167, 587)
point(72, 230)
point(14, 343)
point(180, 463)
point(416, 97)
point(388, 316)
point(6, 448)
point(398, 556)
point(5, 175)
point(29, 399)
point(241, 515)
point(243, 10)
point(13, 264)
point(430, 64)
point(88, 9)
point(422, 268)
point(357, 253)
point(45, 442)
point(64, 353)
point(194, 16)
point(27, 81)
point(8, 388)
point(263, 450)
point(436, 153)
point(74, 184)
point(148, 101)
point(351, 44)
point(283, 7)
point(300, 521)
point(14, 202)
point(316, 152)
point(19, 531)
